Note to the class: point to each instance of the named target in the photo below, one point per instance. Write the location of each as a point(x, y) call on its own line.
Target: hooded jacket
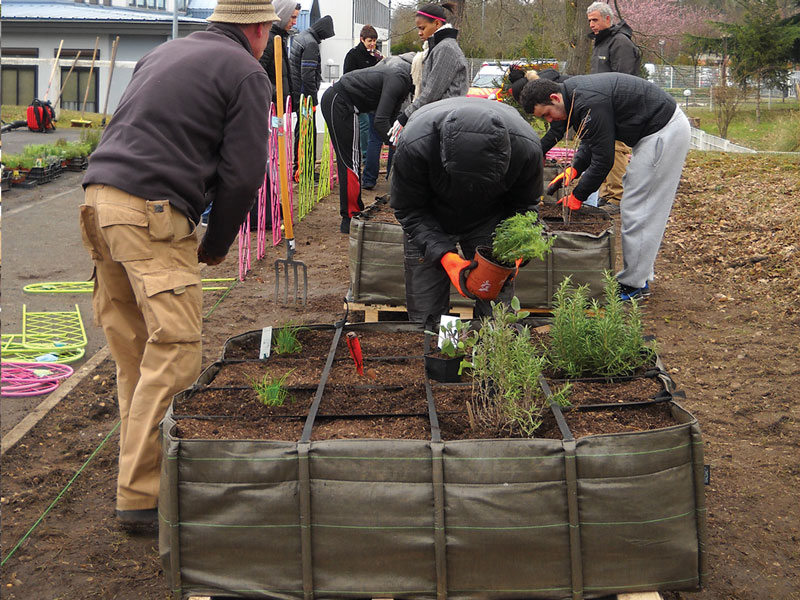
point(380, 89)
point(268, 60)
point(304, 60)
point(459, 163)
point(444, 72)
point(359, 58)
point(614, 51)
point(192, 119)
point(615, 106)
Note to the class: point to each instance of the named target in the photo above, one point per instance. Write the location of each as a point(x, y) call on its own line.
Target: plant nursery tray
point(313, 511)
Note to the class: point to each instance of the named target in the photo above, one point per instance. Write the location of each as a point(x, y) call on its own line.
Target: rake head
point(293, 270)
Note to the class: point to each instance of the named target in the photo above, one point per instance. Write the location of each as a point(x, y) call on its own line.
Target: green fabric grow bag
point(489, 518)
point(375, 257)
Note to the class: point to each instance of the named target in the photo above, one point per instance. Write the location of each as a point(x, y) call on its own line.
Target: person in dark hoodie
point(305, 66)
point(617, 106)
point(380, 89)
point(145, 191)
point(518, 78)
point(614, 52)
point(461, 166)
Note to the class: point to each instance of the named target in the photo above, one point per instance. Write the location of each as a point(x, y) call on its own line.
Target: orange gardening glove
point(453, 264)
point(572, 202)
point(563, 179)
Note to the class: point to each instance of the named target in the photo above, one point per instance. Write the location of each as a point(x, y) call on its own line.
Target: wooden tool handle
point(287, 213)
point(55, 102)
point(91, 70)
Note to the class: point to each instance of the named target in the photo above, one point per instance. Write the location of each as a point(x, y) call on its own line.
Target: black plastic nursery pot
point(427, 517)
point(442, 368)
point(376, 262)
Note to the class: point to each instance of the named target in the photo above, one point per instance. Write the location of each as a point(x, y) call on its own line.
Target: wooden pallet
point(372, 311)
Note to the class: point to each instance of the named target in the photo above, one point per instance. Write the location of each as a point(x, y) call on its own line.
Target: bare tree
point(580, 46)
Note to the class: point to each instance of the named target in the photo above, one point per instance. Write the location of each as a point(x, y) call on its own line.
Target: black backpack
point(41, 116)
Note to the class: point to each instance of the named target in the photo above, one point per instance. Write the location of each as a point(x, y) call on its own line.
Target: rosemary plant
point(607, 343)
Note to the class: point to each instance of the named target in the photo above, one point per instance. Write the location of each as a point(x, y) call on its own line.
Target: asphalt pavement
point(42, 243)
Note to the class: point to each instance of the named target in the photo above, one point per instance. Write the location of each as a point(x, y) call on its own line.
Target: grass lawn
point(15, 113)
point(779, 129)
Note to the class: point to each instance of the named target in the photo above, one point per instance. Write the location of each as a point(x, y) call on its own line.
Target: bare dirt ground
point(725, 310)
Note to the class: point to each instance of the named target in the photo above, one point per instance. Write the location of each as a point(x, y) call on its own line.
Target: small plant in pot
point(446, 364)
point(516, 240)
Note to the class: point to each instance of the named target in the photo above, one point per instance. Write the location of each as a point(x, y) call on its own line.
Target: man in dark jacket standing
point(363, 56)
point(287, 11)
point(614, 52)
point(615, 106)
point(305, 60)
point(380, 89)
point(193, 118)
point(461, 166)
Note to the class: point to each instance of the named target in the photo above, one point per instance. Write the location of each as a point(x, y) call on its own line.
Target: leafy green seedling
point(285, 339)
point(520, 236)
point(270, 389)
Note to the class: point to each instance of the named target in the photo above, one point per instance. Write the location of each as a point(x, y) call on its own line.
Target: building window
point(18, 81)
point(75, 86)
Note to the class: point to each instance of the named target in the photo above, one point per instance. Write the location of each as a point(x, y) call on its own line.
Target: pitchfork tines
point(291, 276)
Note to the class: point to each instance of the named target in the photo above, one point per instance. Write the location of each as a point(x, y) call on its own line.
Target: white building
point(32, 31)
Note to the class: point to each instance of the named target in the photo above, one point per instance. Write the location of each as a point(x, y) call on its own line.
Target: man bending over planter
point(192, 119)
point(616, 106)
point(381, 90)
point(461, 166)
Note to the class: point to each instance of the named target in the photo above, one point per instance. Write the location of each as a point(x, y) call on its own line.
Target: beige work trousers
point(611, 189)
point(148, 300)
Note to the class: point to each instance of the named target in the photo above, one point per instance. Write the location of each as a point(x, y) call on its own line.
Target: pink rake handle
point(274, 179)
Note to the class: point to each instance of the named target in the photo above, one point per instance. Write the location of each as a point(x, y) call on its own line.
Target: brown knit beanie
point(243, 12)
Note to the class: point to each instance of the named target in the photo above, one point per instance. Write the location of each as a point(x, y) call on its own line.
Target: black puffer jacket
point(380, 89)
point(616, 106)
point(359, 58)
point(268, 60)
point(459, 163)
point(304, 60)
point(614, 51)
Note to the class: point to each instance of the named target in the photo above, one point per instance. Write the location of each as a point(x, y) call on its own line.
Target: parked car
point(487, 81)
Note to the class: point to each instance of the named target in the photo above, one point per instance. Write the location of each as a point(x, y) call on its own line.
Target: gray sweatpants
point(649, 188)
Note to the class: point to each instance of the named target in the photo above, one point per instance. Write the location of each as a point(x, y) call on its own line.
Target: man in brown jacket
point(191, 126)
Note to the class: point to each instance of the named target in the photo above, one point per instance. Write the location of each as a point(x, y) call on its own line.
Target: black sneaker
point(627, 293)
point(344, 227)
point(368, 186)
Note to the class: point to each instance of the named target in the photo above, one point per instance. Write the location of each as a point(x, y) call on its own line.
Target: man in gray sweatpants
point(615, 106)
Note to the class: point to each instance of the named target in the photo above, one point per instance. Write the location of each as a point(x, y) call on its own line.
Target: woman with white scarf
point(440, 70)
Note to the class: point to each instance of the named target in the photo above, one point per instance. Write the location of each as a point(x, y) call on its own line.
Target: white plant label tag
point(266, 343)
point(443, 321)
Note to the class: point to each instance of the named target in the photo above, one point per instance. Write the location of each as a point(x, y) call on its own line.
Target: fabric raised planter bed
point(376, 260)
point(425, 517)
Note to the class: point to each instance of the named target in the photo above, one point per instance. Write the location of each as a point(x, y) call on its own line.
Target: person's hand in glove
point(563, 179)
point(572, 202)
point(395, 131)
point(453, 264)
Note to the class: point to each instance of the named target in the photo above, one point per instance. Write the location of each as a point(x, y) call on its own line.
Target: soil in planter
point(622, 420)
point(382, 213)
point(592, 392)
point(299, 372)
point(241, 403)
point(586, 220)
point(288, 430)
point(382, 428)
point(316, 343)
point(373, 401)
point(378, 372)
point(451, 403)
point(376, 344)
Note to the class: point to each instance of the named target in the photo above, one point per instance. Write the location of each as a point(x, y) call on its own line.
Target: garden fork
point(288, 263)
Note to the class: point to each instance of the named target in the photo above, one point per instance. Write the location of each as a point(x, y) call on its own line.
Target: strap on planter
point(571, 473)
point(305, 438)
point(305, 519)
point(439, 536)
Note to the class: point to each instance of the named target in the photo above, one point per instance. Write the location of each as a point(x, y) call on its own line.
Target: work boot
point(610, 206)
point(136, 521)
